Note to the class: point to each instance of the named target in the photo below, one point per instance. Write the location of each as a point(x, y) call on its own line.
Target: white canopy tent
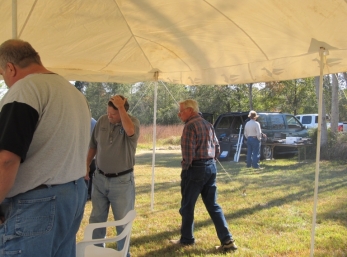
point(187, 42)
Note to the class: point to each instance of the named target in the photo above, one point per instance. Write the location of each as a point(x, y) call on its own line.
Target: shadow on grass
point(174, 250)
point(275, 176)
point(167, 249)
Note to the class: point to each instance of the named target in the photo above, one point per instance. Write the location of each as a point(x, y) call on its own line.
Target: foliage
point(292, 96)
point(98, 95)
point(296, 96)
point(218, 99)
point(335, 149)
point(343, 105)
point(3, 89)
point(80, 85)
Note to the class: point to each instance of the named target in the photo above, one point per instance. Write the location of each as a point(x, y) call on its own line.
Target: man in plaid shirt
point(200, 148)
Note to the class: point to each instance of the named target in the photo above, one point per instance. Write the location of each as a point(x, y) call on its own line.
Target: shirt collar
point(192, 117)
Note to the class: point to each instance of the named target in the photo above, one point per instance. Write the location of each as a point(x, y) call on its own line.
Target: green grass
point(269, 213)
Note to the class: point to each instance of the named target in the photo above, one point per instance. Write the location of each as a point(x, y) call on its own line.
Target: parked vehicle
point(311, 121)
point(274, 124)
point(208, 116)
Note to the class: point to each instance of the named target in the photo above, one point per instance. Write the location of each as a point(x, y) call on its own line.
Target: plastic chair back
point(87, 248)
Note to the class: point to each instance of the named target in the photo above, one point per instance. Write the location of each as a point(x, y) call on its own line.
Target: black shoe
point(178, 242)
point(229, 246)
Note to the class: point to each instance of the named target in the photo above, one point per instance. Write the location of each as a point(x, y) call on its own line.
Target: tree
point(168, 96)
point(3, 89)
point(334, 118)
point(343, 100)
point(80, 85)
point(324, 131)
point(250, 95)
point(98, 95)
point(291, 96)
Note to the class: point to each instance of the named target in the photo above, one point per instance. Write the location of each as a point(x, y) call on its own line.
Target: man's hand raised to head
point(118, 101)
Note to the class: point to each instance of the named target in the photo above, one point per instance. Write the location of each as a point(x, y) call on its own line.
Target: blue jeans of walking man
point(253, 152)
point(200, 178)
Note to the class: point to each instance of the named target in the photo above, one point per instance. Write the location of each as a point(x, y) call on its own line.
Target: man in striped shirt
point(200, 148)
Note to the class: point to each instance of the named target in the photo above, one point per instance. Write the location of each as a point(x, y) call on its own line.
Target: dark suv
point(274, 124)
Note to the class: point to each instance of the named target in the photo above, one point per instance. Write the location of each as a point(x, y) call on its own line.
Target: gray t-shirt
point(115, 150)
point(46, 121)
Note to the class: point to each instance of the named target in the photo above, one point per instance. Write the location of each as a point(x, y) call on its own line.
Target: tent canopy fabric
point(188, 42)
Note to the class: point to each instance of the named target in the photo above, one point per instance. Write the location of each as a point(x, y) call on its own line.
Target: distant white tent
point(186, 42)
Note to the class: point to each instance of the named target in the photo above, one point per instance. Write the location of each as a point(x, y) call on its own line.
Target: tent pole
point(154, 136)
point(14, 19)
point(322, 54)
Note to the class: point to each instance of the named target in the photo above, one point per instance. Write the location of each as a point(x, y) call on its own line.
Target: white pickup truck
point(311, 121)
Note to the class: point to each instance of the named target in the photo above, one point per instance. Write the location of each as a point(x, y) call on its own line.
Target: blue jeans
point(253, 152)
point(117, 192)
point(43, 222)
point(200, 178)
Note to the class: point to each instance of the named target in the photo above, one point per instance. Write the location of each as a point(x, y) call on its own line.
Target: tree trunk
point(334, 119)
point(345, 76)
point(324, 131)
point(250, 95)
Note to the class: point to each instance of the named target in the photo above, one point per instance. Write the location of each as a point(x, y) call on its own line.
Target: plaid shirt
point(198, 141)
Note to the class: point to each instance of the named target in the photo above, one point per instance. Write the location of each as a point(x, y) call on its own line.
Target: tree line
point(298, 96)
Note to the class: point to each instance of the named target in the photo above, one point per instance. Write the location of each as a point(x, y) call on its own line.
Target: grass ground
point(269, 212)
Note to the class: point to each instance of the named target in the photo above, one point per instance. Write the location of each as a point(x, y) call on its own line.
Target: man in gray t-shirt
point(113, 144)
point(44, 130)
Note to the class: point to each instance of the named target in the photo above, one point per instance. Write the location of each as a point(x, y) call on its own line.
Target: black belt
point(253, 136)
point(43, 186)
point(201, 161)
point(112, 175)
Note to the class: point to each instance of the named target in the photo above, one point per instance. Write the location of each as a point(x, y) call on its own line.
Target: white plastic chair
point(86, 247)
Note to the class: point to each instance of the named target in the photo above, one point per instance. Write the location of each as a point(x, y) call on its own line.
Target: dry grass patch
point(165, 136)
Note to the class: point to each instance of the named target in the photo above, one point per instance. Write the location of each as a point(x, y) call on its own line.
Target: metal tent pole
point(154, 136)
point(322, 54)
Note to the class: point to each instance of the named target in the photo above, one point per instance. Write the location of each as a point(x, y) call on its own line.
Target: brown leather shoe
point(229, 246)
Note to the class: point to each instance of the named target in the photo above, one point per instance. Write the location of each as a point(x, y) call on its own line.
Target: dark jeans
point(89, 183)
point(201, 179)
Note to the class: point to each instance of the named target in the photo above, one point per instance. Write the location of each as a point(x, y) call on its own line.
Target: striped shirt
point(198, 141)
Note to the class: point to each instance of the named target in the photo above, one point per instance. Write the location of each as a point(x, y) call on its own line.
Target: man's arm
point(9, 164)
point(90, 156)
point(216, 145)
point(127, 123)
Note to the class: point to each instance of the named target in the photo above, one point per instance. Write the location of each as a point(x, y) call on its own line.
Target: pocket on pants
point(125, 179)
point(35, 216)
point(197, 174)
